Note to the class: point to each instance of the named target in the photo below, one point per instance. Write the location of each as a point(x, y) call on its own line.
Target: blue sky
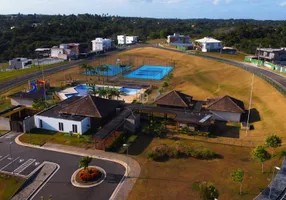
point(254, 9)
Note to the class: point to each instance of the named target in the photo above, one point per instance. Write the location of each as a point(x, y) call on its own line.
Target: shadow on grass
point(220, 128)
point(140, 144)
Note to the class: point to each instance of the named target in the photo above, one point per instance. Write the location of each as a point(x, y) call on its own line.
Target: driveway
point(26, 159)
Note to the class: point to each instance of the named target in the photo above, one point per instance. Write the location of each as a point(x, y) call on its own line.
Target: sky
point(218, 9)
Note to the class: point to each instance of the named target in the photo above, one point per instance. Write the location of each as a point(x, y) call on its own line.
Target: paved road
point(59, 185)
point(7, 84)
point(281, 80)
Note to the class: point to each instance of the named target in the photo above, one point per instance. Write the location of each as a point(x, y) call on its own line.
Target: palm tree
point(92, 90)
point(101, 72)
point(106, 69)
point(102, 92)
point(84, 162)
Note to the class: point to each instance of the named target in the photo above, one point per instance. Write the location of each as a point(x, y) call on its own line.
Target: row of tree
point(20, 34)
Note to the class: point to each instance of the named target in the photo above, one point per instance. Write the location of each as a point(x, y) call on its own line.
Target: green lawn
point(9, 185)
point(4, 76)
point(2, 132)
point(40, 137)
point(4, 104)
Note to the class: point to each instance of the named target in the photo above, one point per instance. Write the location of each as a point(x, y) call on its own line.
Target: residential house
point(20, 63)
point(100, 44)
point(43, 52)
point(208, 44)
point(275, 56)
point(57, 52)
point(179, 40)
point(228, 50)
point(70, 51)
point(123, 39)
point(78, 114)
point(225, 108)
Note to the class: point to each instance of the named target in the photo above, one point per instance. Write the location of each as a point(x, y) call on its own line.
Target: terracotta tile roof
point(174, 98)
point(225, 104)
point(91, 106)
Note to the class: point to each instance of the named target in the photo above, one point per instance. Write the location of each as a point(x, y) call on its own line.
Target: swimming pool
point(112, 71)
point(82, 90)
point(150, 72)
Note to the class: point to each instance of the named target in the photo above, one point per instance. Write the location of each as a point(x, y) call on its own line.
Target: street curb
point(124, 164)
point(5, 134)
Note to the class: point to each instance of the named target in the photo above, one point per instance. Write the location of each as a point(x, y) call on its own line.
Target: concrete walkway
point(133, 168)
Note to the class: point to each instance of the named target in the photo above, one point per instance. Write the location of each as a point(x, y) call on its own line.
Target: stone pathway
point(124, 187)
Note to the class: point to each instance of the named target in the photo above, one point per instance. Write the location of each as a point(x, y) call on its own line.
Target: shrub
point(153, 155)
point(89, 174)
point(118, 142)
point(203, 153)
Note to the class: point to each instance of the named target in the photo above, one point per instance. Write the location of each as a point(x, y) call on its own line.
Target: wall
point(4, 124)
point(226, 116)
point(24, 102)
point(28, 124)
point(85, 125)
point(50, 123)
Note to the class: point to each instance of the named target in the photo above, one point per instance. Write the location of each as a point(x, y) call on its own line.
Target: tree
point(85, 161)
point(208, 191)
point(261, 155)
point(237, 176)
point(40, 104)
point(273, 141)
point(92, 90)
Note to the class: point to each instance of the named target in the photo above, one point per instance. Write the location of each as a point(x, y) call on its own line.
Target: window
point(61, 126)
point(41, 123)
point(74, 128)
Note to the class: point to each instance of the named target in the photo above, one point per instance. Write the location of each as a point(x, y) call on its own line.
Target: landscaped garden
point(9, 185)
point(40, 137)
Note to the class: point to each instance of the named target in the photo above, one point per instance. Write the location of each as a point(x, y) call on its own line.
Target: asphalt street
point(59, 186)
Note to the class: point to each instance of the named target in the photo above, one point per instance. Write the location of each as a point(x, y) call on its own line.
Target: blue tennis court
point(112, 70)
point(150, 72)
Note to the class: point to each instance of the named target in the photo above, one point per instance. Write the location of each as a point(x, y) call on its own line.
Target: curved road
point(59, 186)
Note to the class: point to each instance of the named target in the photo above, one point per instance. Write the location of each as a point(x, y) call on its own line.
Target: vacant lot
point(179, 178)
point(9, 185)
point(204, 78)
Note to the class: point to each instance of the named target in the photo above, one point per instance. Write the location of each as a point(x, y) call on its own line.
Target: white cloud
point(215, 2)
point(283, 3)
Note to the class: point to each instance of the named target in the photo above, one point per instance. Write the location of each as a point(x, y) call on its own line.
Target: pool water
point(150, 72)
point(82, 90)
point(112, 71)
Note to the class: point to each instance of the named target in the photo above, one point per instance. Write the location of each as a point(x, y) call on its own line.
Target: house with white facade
point(179, 40)
point(225, 108)
point(100, 44)
point(208, 44)
point(123, 39)
point(20, 63)
point(26, 98)
point(77, 114)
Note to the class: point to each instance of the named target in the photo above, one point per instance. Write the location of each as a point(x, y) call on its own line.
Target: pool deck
point(128, 98)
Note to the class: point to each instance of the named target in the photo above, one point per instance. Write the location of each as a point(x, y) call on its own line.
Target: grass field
point(237, 57)
point(4, 65)
point(179, 178)
point(202, 79)
point(9, 185)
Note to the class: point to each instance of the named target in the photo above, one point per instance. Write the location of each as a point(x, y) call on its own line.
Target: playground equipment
point(34, 88)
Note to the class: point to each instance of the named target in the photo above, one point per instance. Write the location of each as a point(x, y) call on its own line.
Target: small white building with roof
point(208, 44)
point(123, 39)
point(179, 40)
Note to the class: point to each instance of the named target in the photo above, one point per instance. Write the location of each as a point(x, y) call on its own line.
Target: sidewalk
point(124, 187)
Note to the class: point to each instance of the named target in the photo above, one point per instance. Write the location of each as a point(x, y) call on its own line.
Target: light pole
point(127, 163)
point(277, 168)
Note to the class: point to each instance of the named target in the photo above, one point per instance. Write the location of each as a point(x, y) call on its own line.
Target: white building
point(57, 52)
point(179, 40)
point(100, 44)
point(208, 44)
point(20, 63)
point(123, 39)
point(77, 114)
point(225, 108)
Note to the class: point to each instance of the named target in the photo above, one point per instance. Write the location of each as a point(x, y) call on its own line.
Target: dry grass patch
point(203, 78)
point(178, 178)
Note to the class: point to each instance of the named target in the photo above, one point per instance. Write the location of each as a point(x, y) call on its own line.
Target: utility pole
point(249, 107)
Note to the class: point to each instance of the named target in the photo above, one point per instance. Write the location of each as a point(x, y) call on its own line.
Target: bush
point(153, 155)
point(203, 153)
point(89, 174)
point(118, 142)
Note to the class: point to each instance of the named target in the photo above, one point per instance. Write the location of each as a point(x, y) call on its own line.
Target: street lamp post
point(127, 163)
point(277, 168)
